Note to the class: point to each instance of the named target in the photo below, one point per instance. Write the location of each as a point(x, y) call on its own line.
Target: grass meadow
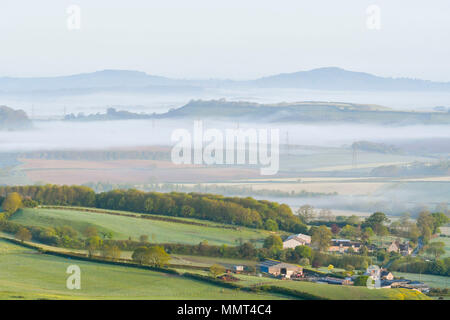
point(123, 227)
point(26, 274)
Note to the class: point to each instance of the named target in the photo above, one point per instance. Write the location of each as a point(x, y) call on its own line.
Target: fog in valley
point(307, 149)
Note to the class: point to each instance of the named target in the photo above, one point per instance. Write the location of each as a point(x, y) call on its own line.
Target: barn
point(278, 268)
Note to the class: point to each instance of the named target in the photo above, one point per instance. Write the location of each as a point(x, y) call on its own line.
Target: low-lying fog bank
point(49, 135)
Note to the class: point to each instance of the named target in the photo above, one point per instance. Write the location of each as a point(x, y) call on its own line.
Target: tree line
point(248, 212)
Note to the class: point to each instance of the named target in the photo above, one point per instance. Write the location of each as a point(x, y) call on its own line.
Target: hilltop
point(303, 112)
point(332, 78)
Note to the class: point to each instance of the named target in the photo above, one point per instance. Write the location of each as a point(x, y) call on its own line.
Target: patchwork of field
point(340, 159)
point(123, 227)
point(126, 171)
point(26, 274)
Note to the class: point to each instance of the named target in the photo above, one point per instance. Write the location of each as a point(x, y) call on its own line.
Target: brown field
point(126, 171)
point(31, 164)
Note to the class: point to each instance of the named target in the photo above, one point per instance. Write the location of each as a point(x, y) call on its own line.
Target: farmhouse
point(402, 248)
point(296, 240)
point(342, 245)
point(386, 275)
point(278, 268)
point(382, 274)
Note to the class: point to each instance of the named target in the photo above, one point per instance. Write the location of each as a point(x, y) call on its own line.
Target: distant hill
point(11, 119)
point(330, 78)
point(333, 78)
point(303, 112)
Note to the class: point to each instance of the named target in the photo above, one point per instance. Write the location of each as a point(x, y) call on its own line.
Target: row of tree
point(247, 212)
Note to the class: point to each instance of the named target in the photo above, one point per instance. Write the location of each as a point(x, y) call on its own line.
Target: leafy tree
point(143, 238)
point(23, 234)
point(303, 251)
point(187, 211)
point(12, 203)
point(90, 231)
point(353, 220)
point(321, 237)
point(158, 257)
point(140, 255)
point(439, 219)
point(304, 262)
point(66, 231)
point(437, 267)
point(425, 224)
point(271, 225)
point(435, 249)
point(106, 234)
point(376, 222)
point(111, 251)
point(94, 243)
point(247, 250)
point(367, 234)
point(306, 213)
point(273, 242)
point(349, 231)
point(216, 270)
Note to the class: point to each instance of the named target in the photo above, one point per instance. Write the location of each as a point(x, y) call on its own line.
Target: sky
point(225, 39)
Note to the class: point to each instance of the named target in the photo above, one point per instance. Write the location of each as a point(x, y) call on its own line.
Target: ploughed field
point(123, 226)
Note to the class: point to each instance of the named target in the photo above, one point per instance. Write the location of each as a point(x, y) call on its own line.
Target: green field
point(336, 292)
point(124, 227)
point(26, 274)
point(431, 280)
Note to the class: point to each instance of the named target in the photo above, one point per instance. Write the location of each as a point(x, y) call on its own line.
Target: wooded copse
point(246, 212)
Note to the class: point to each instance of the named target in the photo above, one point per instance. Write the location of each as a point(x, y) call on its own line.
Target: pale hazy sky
point(225, 39)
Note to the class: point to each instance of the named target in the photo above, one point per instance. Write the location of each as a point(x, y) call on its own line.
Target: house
point(342, 245)
point(238, 268)
point(296, 240)
point(405, 249)
point(393, 247)
point(386, 275)
point(278, 268)
point(402, 248)
point(377, 273)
